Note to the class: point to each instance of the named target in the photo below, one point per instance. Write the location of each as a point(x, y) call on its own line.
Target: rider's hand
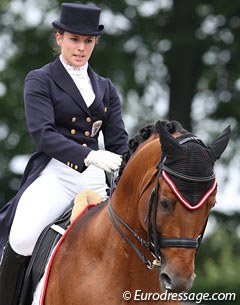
point(103, 159)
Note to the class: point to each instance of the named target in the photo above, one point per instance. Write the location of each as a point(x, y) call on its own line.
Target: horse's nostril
point(166, 281)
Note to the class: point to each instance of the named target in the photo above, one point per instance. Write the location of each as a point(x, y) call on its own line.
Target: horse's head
point(180, 194)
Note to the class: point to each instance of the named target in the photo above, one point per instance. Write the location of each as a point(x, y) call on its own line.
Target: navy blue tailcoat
point(63, 127)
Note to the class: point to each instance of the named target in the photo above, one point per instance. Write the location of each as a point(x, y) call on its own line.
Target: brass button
point(74, 119)
point(68, 163)
point(73, 131)
point(87, 133)
point(84, 144)
point(105, 109)
point(71, 165)
point(88, 119)
point(76, 167)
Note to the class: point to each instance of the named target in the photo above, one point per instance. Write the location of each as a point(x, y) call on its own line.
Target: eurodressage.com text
point(198, 298)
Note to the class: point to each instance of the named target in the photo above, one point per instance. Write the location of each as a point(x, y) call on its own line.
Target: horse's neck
point(137, 174)
point(106, 241)
point(113, 248)
point(124, 204)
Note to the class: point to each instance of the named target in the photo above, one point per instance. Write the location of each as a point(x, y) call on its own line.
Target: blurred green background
point(169, 59)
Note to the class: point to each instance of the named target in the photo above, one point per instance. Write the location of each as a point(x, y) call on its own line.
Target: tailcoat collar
point(64, 80)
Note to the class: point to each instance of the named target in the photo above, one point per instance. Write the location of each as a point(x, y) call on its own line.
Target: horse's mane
point(144, 134)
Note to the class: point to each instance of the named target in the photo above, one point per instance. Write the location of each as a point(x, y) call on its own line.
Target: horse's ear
point(219, 144)
point(170, 146)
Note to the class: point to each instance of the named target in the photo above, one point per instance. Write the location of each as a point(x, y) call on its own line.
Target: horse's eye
point(214, 203)
point(165, 204)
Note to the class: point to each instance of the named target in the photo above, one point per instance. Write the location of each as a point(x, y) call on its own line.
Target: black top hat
point(82, 19)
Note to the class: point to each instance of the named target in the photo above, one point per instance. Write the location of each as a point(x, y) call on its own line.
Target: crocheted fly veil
point(188, 165)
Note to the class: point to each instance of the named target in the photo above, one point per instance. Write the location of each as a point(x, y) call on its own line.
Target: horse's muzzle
point(174, 282)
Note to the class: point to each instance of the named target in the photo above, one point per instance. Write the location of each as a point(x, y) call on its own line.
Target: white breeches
point(47, 198)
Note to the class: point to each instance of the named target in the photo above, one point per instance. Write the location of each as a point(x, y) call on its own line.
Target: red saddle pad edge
point(47, 273)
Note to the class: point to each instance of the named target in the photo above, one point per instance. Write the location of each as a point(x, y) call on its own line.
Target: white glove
point(103, 159)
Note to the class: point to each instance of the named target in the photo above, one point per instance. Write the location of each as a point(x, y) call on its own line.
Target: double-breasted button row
point(86, 133)
point(87, 119)
point(73, 131)
point(72, 165)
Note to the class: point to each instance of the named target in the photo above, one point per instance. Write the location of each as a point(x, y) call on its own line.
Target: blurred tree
point(23, 47)
point(175, 59)
point(169, 59)
point(218, 261)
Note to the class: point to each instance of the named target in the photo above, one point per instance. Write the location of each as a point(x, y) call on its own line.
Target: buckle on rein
point(156, 263)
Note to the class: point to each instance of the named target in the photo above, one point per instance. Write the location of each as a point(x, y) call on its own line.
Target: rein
point(143, 242)
point(155, 242)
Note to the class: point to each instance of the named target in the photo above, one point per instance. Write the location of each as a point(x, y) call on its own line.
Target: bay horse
point(145, 238)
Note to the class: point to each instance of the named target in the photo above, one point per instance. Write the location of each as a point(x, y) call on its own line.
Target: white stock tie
point(82, 81)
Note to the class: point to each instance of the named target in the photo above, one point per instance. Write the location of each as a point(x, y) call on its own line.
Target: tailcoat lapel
point(99, 85)
point(64, 80)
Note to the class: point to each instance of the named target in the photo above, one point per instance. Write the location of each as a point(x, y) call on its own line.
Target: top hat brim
point(87, 32)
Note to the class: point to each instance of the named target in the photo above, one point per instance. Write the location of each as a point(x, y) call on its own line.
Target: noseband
point(155, 242)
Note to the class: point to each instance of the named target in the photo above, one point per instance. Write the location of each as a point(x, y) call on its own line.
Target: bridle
point(155, 242)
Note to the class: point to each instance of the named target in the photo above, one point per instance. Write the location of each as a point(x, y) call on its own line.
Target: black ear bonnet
point(188, 165)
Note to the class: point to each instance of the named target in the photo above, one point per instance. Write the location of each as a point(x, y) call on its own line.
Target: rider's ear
point(219, 144)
